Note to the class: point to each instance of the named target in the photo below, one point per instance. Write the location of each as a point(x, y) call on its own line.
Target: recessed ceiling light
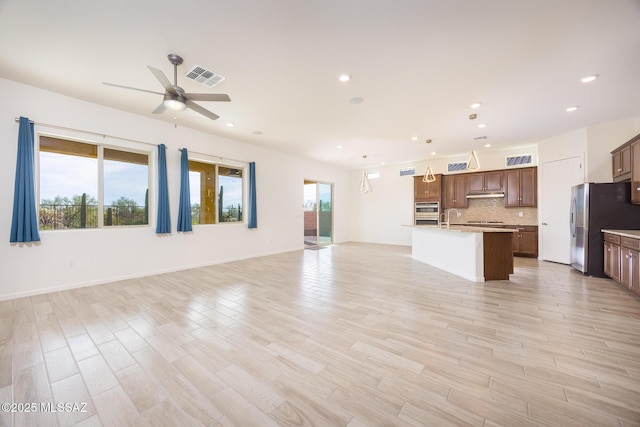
point(338, 146)
point(572, 109)
point(414, 138)
point(257, 132)
point(344, 78)
point(482, 125)
point(433, 153)
point(476, 105)
point(230, 125)
point(589, 79)
point(487, 145)
point(356, 100)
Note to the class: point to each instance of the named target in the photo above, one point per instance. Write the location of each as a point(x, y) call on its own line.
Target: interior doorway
point(318, 213)
point(558, 177)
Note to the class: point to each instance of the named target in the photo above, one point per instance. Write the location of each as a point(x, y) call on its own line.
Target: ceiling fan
point(175, 98)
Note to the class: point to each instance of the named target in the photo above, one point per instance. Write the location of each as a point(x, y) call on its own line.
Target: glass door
point(318, 213)
point(310, 214)
point(325, 213)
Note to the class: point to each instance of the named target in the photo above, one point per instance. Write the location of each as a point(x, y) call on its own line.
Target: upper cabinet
point(427, 191)
point(455, 191)
point(635, 170)
point(625, 162)
point(520, 188)
point(484, 182)
point(621, 163)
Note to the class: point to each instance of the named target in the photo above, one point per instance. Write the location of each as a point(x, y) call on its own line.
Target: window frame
point(113, 144)
point(219, 162)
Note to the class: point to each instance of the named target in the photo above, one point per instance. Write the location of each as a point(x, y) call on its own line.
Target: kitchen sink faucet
point(458, 214)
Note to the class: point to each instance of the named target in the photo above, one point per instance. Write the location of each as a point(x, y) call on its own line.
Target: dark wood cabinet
point(525, 240)
point(635, 171)
point(454, 188)
point(621, 163)
point(484, 182)
point(520, 188)
point(612, 256)
point(427, 191)
point(630, 264)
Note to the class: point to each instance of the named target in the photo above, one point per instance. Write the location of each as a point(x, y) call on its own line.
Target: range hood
point(485, 195)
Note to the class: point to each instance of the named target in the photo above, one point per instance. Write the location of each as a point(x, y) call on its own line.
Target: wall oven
point(427, 213)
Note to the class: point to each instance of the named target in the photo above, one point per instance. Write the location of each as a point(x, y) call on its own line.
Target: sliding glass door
point(325, 213)
point(318, 213)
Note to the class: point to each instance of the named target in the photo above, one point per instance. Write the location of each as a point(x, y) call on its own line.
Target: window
point(458, 166)
point(373, 175)
point(216, 193)
point(408, 171)
point(71, 174)
point(522, 159)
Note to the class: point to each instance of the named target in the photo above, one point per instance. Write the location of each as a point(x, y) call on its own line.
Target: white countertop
point(634, 234)
point(467, 229)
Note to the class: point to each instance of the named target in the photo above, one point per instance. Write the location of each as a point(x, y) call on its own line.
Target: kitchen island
point(474, 253)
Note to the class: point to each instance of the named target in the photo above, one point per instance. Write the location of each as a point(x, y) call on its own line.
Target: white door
point(557, 179)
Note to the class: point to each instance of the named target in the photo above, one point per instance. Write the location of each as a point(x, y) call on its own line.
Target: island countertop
point(475, 253)
point(468, 229)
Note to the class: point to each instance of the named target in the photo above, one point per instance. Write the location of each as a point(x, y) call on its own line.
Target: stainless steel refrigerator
point(595, 206)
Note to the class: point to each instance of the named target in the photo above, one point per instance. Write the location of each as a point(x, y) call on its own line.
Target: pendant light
point(473, 163)
point(365, 185)
point(428, 174)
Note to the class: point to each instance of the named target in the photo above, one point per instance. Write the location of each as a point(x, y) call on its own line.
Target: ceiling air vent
point(522, 159)
point(455, 167)
point(204, 76)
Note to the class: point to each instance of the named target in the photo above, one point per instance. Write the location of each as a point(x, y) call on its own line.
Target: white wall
point(74, 258)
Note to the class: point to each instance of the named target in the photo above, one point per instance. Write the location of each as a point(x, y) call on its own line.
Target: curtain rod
point(219, 157)
point(103, 135)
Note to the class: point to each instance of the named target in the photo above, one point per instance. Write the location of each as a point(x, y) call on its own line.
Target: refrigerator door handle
point(572, 218)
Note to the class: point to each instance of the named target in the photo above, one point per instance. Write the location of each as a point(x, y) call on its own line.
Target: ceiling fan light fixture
point(174, 102)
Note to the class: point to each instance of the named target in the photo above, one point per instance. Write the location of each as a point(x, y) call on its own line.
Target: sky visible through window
point(68, 176)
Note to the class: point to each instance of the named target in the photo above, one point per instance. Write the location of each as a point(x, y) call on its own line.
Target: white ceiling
point(418, 65)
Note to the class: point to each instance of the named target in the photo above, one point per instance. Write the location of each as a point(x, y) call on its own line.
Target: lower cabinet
point(622, 260)
point(525, 241)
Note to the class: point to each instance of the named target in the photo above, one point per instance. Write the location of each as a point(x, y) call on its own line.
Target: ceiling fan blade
point(132, 88)
point(221, 97)
point(162, 79)
point(198, 109)
point(159, 109)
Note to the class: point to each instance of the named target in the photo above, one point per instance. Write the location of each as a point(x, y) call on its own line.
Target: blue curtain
point(253, 212)
point(184, 207)
point(164, 219)
point(24, 224)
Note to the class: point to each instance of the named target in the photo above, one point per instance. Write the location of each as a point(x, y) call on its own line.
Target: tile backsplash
point(492, 209)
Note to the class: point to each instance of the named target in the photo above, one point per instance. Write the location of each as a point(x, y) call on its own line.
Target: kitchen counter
point(634, 234)
point(469, 228)
point(474, 253)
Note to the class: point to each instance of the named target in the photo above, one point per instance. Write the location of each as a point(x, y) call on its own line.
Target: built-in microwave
point(427, 213)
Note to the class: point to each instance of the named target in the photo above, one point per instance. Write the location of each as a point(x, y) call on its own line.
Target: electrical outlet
point(520, 214)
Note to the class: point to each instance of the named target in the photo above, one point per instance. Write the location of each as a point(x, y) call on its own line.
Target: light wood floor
point(350, 335)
